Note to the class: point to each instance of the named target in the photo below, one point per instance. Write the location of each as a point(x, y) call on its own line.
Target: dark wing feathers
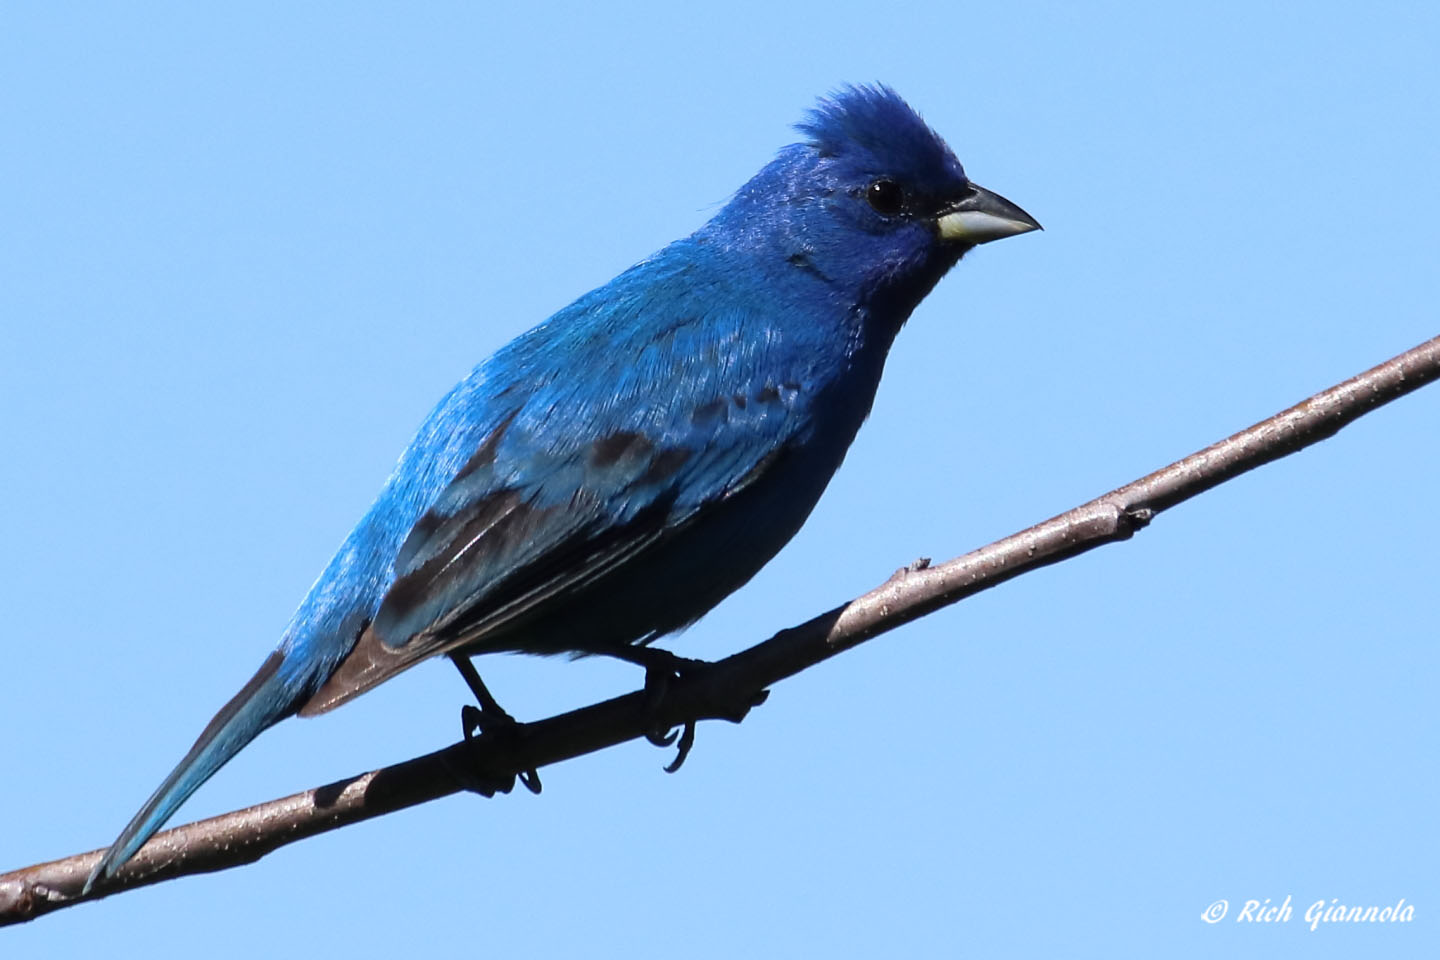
point(563, 564)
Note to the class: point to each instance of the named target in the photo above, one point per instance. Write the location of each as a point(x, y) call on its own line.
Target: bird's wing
point(568, 487)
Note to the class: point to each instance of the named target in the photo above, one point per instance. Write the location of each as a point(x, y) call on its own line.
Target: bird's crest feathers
point(875, 120)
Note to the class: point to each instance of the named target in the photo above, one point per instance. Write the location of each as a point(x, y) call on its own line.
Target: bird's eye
point(885, 197)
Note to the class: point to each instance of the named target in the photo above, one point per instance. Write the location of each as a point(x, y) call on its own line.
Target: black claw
point(687, 740)
point(530, 780)
point(472, 721)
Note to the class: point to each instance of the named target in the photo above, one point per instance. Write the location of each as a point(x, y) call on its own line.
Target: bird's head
point(872, 200)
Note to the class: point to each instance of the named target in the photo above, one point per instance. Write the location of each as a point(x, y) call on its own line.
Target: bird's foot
point(662, 670)
point(486, 724)
point(483, 727)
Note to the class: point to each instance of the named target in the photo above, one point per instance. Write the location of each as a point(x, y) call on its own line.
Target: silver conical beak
point(983, 216)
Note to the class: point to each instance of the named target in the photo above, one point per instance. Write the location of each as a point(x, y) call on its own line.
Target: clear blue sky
point(243, 251)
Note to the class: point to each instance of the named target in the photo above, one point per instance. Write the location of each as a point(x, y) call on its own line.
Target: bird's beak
point(981, 217)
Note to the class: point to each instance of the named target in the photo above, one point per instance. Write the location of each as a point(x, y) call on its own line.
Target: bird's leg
point(489, 718)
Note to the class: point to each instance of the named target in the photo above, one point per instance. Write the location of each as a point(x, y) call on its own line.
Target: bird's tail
point(264, 701)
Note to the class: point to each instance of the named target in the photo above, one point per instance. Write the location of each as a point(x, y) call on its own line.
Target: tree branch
point(727, 688)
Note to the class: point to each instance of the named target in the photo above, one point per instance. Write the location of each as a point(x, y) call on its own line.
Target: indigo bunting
point(612, 474)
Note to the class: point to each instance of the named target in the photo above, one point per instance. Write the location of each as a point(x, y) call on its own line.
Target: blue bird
point(612, 474)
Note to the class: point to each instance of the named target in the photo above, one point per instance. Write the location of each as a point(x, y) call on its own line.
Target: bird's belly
point(677, 580)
